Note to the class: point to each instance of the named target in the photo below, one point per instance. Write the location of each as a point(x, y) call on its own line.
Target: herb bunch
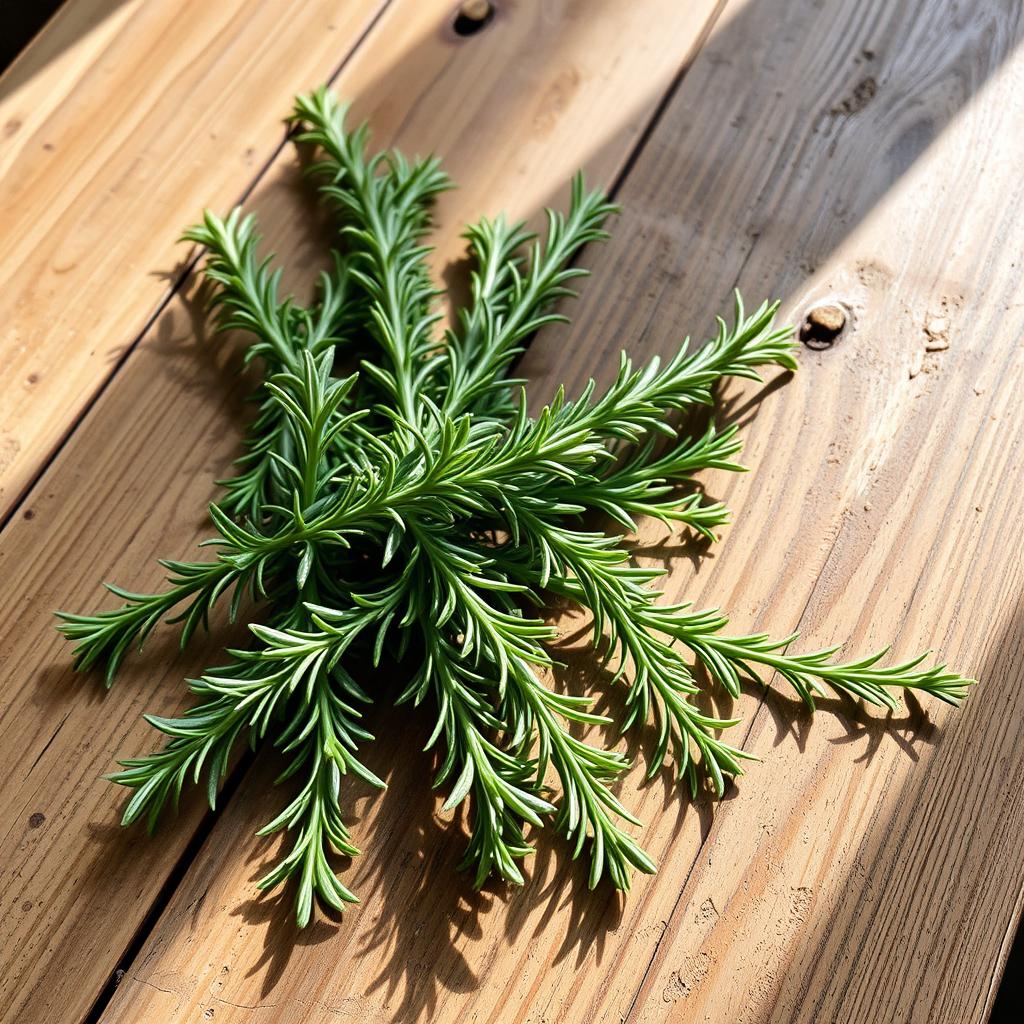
point(414, 505)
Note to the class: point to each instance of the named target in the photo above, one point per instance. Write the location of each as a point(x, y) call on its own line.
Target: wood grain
point(870, 869)
point(133, 480)
point(118, 125)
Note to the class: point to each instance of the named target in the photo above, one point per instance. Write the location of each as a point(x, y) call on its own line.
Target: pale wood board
point(870, 869)
point(133, 480)
point(117, 126)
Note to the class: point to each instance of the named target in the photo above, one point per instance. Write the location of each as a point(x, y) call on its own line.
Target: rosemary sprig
point(416, 507)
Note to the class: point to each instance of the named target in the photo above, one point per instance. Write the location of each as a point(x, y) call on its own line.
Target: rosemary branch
point(415, 507)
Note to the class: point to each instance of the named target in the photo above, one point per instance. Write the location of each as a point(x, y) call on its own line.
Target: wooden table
point(859, 151)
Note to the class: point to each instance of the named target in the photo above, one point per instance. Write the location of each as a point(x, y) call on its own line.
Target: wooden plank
point(133, 480)
point(870, 868)
point(119, 123)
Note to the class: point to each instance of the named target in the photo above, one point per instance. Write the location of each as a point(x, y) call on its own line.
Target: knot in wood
point(822, 326)
point(472, 16)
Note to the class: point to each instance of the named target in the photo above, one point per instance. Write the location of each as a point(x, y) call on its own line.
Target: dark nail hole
point(822, 327)
point(29, 514)
point(35, 820)
point(472, 17)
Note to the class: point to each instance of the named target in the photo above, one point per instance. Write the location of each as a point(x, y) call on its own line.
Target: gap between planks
point(188, 269)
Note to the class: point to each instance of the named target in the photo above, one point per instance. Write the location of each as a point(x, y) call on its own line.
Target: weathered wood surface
point(870, 868)
point(75, 887)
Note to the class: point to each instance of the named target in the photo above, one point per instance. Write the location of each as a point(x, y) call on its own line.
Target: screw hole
point(473, 15)
point(822, 327)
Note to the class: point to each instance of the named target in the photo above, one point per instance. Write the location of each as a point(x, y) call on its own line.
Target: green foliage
point(415, 505)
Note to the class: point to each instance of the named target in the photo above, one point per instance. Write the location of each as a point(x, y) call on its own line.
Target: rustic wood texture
point(76, 887)
point(870, 869)
point(118, 125)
